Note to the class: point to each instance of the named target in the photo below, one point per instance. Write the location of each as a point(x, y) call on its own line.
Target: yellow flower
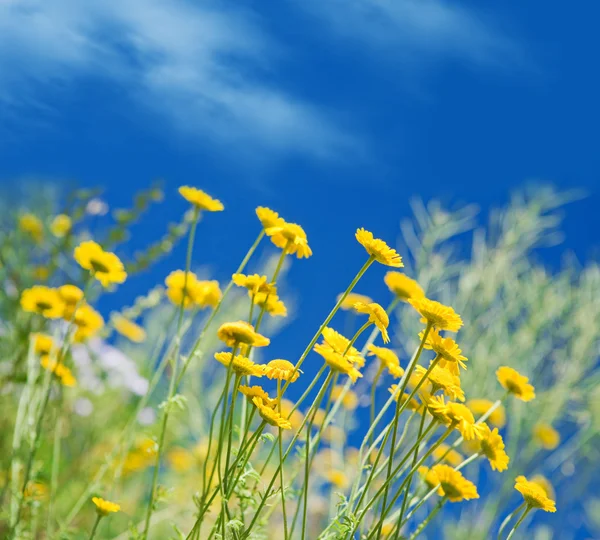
point(208, 293)
point(428, 476)
point(378, 249)
point(62, 372)
point(454, 485)
point(492, 447)
point(282, 370)
point(377, 315)
point(105, 507)
point(254, 283)
point(71, 295)
point(257, 391)
point(61, 225)
point(413, 405)
point(43, 300)
point(32, 225)
point(437, 315)
point(534, 495)
point(180, 459)
point(128, 328)
point(88, 322)
point(270, 415)
point(388, 359)
point(447, 349)
point(337, 362)
point(545, 484)
point(105, 266)
point(351, 299)
point(270, 302)
point(350, 399)
point(268, 217)
point(241, 364)
point(340, 344)
point(36, 491)
point(481, 406)
point(291, 237)
point(181, 288)
point(515, 383)
point(338, 478)
point(546, 436)
point(288, 412)
point(452, 457)
point(241, 332)
point(200, 199)
point(460, 415)
point(402, 286)
point(443, 380)
point(43, 344)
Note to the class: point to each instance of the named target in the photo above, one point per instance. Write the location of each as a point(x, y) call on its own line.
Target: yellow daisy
point(43, 300)
point(105, 266)
point(351, 299)
point(338, 478)
point(254, 283)
point(32, 225)
point(442, 379)
point(337, 362)
point(453, 484)
point(428, 476)
point(377, 316)
point(105, 507)
point(449, 455)
point(436, 314)
point(241, 332)
point(61, 225)
point(402, 286)
point(481, 406)
point(291, 237)
point(128, 328)
point(460, 415)
point(200, 199)
point(43, 344)
point(257, 391)
point(546, 436)
point(545, 484)
point(534, 495)
point(350, 399)
point(413, 405)
point(208, 293)
point(241, 364)
point(448, 350)
point(268, 217)
point(287, 411)
point(271, 303)
point(340, 344)
point(282, 370)
point(388, 359)
point(270, 415)
point(515, 383)
point(182, 288)
point(492, 447)
point(71, 295)
point(378, 249)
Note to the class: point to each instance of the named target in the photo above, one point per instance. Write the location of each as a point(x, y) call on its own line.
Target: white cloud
point(202, 65)
point(413, 31)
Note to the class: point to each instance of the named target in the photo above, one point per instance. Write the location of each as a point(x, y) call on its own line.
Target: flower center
point(41, 305)
point(99, 266)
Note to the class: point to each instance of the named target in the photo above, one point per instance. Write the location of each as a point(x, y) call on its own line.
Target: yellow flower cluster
point(185, 289)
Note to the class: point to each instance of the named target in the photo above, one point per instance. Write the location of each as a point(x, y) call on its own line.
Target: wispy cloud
point(202, 65)
point(414, 31)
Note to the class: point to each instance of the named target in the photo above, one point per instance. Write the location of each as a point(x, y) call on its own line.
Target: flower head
point(61, 225)
point(448, 454)
point(208, 293)
point(546, 436)
point(257, 391)
point(241, 333)
point(182, 287)
point(43, 300)
point(460, 415)
point(338, 478)
point(454, 485)
point(88, 322)
point(436, 314)
point(337, 362)
point(351, 299)
point(270, 302)
point(341, 345)
point(377, 315)
point(128, 329)
point(32, 225)
point(200, 199)
point(270, 415)
point(534, 495)
point(290, 237)
point(545, 484)
point(254, 283)
point(442, 379)
point(282, 370)
point(268, 217)
point(378, 249)
point(402, 286)
point(349, 400)
point(71, 295)
point(492, 447)
point(105, 507)
point(105, 266)
point(428, 476)
point(413, 404)
point(388, 359)
point(515, 383)
point(481, 406)
point(241, 364)
point(448, 350)
point(62, 372)
point(43, 344)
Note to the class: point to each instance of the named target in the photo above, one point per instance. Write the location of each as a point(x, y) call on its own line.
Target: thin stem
point(95, 527)
point(373, 393)
point(424, 524)
point(523, 516)
point(507, 519)
point(280, 444)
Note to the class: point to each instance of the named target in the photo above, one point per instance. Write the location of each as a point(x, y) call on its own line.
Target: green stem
point(507, 519)
point(425, 522)
point(280, 444)
point(523, 516)
point(373, 393)
point(95, 527)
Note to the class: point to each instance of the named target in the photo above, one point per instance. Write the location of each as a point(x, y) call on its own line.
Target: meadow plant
point(171, 418)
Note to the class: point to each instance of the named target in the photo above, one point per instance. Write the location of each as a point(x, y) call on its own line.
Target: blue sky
point(333, 113)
